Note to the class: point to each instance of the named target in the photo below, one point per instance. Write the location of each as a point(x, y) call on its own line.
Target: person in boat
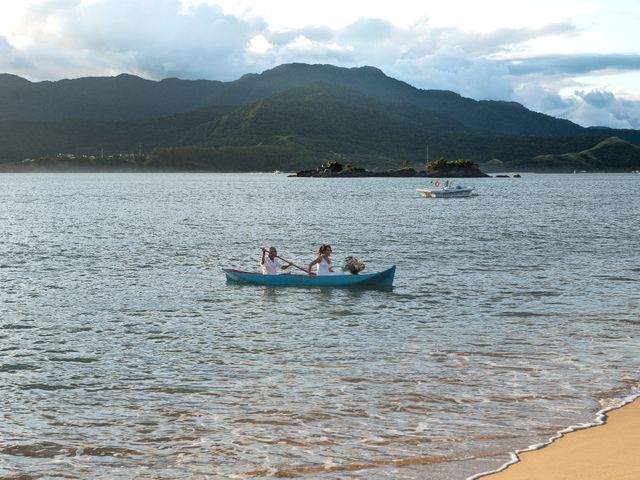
point(269, 263)
point(323, 261)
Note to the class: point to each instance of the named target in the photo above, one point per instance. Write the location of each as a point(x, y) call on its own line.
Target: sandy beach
point(605, 452)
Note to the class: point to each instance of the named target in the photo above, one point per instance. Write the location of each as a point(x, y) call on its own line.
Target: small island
point(460, 168)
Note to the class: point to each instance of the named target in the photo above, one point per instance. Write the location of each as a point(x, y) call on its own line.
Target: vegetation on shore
point(460, 168)
point(611, 154)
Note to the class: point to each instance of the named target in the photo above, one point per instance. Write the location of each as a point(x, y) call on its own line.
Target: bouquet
point(353, 265)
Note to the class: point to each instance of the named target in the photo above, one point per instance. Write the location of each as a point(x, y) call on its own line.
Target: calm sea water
point(125, 354)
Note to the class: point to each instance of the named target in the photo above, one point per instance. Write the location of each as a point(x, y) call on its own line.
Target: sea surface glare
point(125, 354)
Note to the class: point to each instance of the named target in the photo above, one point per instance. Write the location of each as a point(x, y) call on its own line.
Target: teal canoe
point(380, 279)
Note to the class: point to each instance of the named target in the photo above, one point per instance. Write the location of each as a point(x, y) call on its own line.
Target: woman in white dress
point(323, 261)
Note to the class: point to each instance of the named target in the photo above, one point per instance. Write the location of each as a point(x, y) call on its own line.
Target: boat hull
point(375, 280)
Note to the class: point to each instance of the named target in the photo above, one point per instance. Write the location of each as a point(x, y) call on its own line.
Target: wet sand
point(605, 452)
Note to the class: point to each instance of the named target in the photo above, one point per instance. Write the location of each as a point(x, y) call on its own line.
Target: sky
point(578, 60)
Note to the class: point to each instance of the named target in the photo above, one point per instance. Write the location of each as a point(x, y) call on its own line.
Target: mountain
point(328, 113)
point(304, 125)
point(627, 134)
point(128, 97)
point(483, 116)
point(291, 117)
point(121, 98)
point(328, 121)
point(611, 154)
point(29, 139)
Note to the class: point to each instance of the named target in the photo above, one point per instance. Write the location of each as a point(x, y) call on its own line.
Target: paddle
point(290, 263)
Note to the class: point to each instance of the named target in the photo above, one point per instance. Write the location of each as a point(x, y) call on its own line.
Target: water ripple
point(122, 345)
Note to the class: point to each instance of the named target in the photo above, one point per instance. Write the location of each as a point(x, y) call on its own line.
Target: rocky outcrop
point(329, 172)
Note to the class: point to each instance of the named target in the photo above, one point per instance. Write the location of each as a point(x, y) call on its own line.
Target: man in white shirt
point(270, 263)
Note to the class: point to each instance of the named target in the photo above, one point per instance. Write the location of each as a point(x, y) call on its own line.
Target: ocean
point(124, 353)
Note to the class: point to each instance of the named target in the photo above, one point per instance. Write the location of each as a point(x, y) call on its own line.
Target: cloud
point(604, 108)
point(576, 64)
point(597, 98)
point(586, 108)
point(6, 48)
point(259, 45)
point(10, 58)
point(315, 33)
point(368, 30)
point(69, 38)
point(161, 38)
point(452, 69)
point(543, 99)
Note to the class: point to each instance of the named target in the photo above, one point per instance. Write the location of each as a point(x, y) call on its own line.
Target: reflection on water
point(124, 353)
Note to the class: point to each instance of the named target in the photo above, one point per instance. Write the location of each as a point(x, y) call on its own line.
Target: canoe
point(379, 279)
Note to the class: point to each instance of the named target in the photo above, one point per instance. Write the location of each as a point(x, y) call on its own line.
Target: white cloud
point(259, 45)
point(452, 69)
point(598, 107)
point(586, 108)
point(153, 38)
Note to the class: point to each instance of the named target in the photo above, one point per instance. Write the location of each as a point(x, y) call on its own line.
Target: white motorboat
point(448, 191)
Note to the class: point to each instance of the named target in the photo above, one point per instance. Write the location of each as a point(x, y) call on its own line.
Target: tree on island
point(332, 165)
point(460, 168)
point(442, 164)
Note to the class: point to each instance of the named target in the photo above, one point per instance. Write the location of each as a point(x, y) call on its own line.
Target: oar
point(292, 264)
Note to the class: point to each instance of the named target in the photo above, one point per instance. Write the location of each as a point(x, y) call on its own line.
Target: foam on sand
point(609, 451)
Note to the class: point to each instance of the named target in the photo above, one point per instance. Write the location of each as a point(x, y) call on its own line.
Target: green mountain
point(611, 154)
point(324, 121)
point(121, 98)
point(291, 117)
point(483, 116)
point(127, 97)
point(332, 117)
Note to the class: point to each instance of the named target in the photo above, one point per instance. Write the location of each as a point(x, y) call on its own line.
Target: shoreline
point(605, 449)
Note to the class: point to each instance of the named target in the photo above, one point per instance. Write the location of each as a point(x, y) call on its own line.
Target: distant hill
point(611, 154)
point(625, 134)
point(291, 117)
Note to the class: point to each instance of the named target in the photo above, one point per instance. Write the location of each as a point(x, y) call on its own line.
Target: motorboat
point(447, 191)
